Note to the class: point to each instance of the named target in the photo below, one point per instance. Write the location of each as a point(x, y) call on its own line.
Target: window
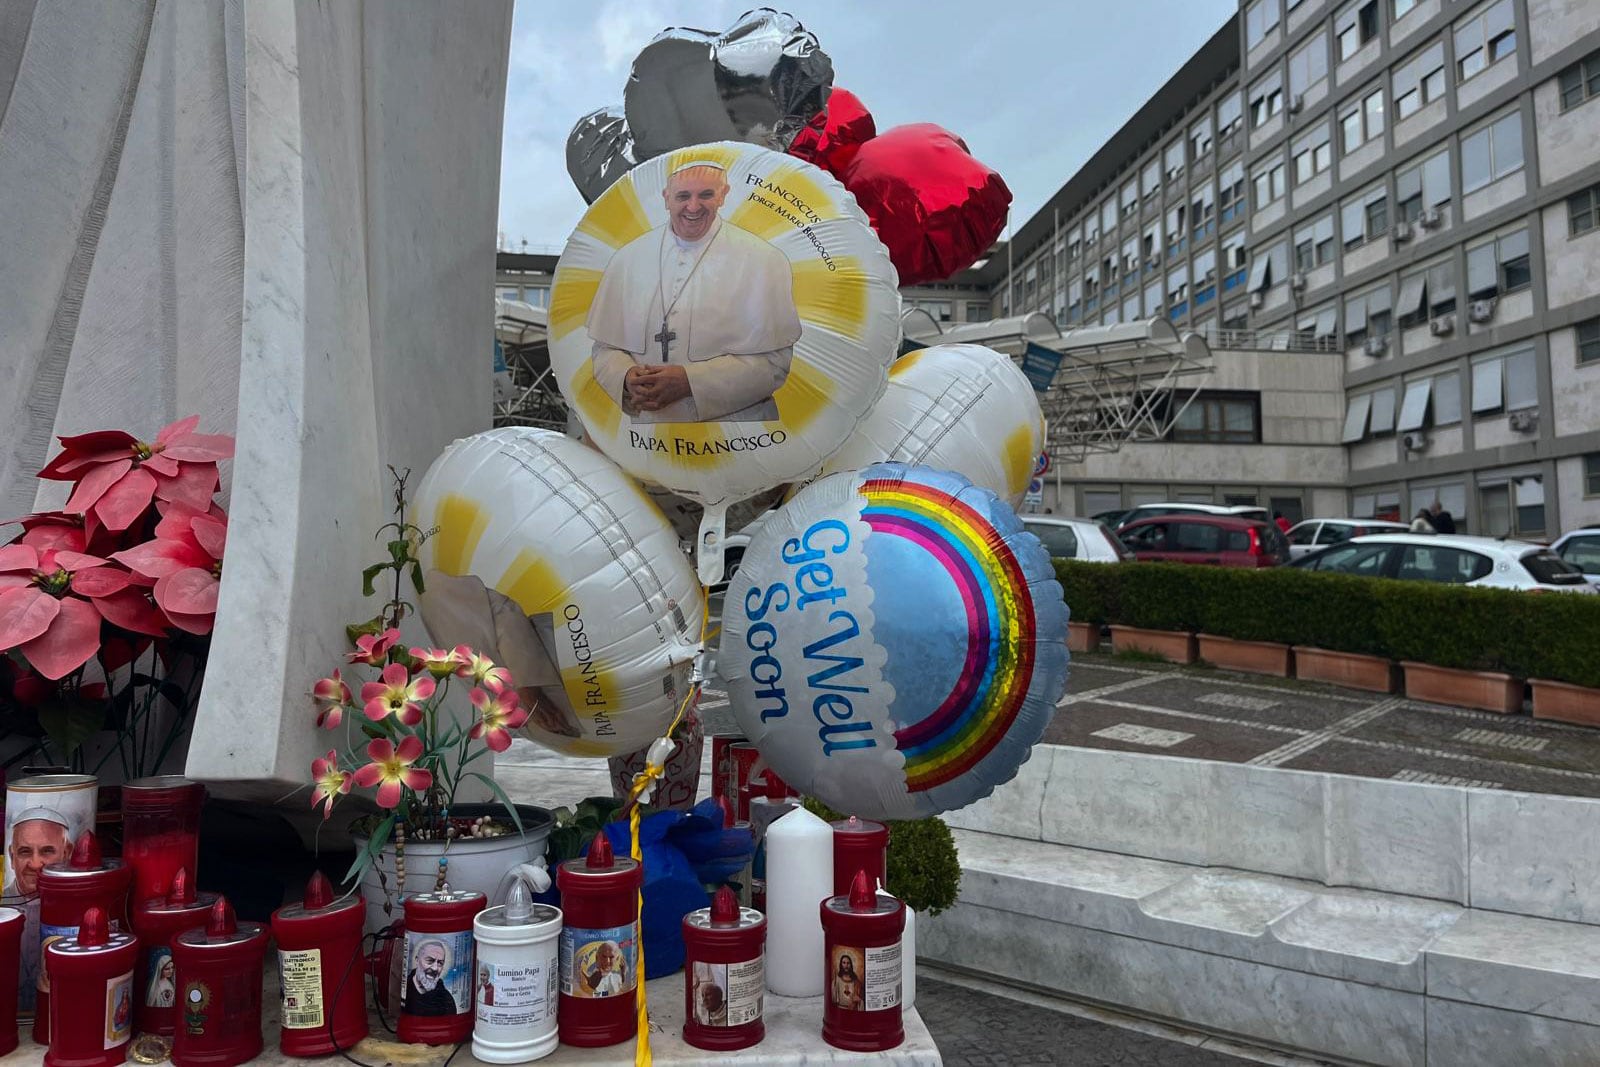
point(1233, 265)
point(1313, 245)
point(1200, 138)
point(1513, 508)
point(1355, 26)
point(1202, 213)
point(1220, 418)
point(1583, 210)
point(1485, 39)
point(1178, 285)
point(1229, 115)
point(1130, 257)
point(1232, 197)
point(1236, 317)
point(1091, 229)
point(1587, 334)
point(1150, 179)
point(1074, 244)
point(1312, 154)
point(1260, 19)
point(1591, 487)
point(1504, 382)
point(1205, 277)
point(1355, 418)
point(977, 311)
point(1268, 184)
point(1425, 185)
point(1130, 199)
point(1152, 298)
point(1491, 153)
point(1266, 99)
point(1365, 560)
point(1499, 266)
point(1419, 81)
point(1364, 217)
point(1382, 421)
point(1270, 267)
point(1309, 65)
point(1150, 247)
point(1108, 216)
point(1427, 294)
point(1174, 160)
point(1401, 8)
point(1368, 313)
point(1362, 120)
point(1319, 325)
point(1130, 308)
point(1437, 563)
point(1175, 233)
point(1108, 270)
point(1580, 82)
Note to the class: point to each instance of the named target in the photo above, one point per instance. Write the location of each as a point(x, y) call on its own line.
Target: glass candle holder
point(161, 832)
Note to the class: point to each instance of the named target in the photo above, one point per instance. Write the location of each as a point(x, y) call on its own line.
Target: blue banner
point(1039, 364)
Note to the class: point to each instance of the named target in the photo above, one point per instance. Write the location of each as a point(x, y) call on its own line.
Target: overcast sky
point(1034, 88)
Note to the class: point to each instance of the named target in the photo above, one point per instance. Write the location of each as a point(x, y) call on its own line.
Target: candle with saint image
point(157, 922)
point(86, 880)
point(799, 878)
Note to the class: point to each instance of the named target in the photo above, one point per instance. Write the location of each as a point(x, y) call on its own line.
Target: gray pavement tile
point(1200, 692)
point(1095, 724)
point(1380, 759)
point(1504, 738)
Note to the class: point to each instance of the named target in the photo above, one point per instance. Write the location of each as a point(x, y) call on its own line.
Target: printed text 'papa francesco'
point(833, 669)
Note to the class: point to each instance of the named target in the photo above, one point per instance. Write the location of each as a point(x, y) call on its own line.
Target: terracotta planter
point(1565, 703)
point(1168, 644)
point(1254, 657)
point(1083, 636)
point(1372, 673)
point(1484, 690)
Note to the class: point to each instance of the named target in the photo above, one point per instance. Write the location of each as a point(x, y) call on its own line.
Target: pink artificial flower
point(117, 475)
point(329, 780)
point(436, 661)
point(332, 696)
point(373, 650)
point(481, 669)
point(184, 559)
point(396, 693)
point(498, 714)
point(52, 602)
point(57, 529)
point(391, 769)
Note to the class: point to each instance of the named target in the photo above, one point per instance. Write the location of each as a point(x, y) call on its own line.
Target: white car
point(1080, 539)
point(1452, 559)
point(1308, 536)
point(1581, 548)
point(1150, 511)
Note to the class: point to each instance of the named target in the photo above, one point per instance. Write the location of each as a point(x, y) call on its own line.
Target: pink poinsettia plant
point(105, 602)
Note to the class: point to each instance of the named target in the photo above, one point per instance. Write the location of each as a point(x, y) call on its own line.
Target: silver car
point(1313, 534)
point(1080, 539)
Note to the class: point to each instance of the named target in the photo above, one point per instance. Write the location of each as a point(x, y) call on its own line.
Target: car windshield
point(1351, 559)
point(1583, 553)
point(1548, 568)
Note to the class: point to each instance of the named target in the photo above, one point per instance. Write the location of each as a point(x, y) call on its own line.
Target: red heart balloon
point(831, 138)
point(935, 207)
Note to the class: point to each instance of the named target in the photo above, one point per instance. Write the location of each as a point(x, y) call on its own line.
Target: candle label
point(119, 1010)
point(300, 979)
point(865, 979)
point(160, 978)
point(729, 994)
point(599, 963)
point(438, 974)
point(516, 994)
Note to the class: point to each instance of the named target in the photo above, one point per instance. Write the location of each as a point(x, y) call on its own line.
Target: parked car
point(1308, 536)
point(1111, 519)
point(1220, 540)
point(1581, 548)
point(1081, 539)
point(1150, 511)
point(1452, 559)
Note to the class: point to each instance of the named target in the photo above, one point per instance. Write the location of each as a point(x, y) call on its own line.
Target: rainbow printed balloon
point(894, 641)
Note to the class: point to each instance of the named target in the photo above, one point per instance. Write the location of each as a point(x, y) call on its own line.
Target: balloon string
point(642, 782)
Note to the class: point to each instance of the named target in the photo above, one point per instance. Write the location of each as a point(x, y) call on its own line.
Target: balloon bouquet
point(724, 324)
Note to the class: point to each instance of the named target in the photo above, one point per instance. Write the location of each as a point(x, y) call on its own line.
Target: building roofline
point(525, 261)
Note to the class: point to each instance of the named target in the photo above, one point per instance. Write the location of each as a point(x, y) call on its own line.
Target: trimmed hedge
point(1529, 635)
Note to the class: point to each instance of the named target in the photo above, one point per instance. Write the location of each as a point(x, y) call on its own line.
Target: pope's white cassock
point(730, 321)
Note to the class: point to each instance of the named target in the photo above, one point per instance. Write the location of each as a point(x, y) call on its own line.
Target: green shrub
point(1086, 587)
point(924, 869)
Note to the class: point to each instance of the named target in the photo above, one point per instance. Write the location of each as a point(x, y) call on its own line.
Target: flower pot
point(1168, 644)
point(1484, 690)
point(679, 783)
point(1083, 636)
point(1253, 657)
point(1372, 673)
point(475, 864)
point(1565, 703)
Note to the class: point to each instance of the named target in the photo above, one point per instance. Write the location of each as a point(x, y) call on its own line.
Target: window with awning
point(1411, 306)
point(1355, 418)
point(1414, 408)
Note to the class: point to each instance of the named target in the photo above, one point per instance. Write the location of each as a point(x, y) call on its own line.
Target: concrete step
point(1358, 975)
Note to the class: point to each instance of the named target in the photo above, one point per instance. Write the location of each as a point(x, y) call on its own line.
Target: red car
point(1220, 540)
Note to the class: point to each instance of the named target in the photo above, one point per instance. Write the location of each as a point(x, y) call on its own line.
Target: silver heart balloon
point(600, 150)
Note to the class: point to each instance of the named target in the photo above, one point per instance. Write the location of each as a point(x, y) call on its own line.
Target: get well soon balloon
point(722, 319)
point(551, 560)
point(962, 408)
point(894, 642)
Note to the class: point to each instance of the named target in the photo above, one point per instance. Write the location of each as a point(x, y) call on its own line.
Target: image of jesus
point(695, 321)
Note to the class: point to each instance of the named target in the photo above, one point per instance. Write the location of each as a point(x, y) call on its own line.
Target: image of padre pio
point(695, 320)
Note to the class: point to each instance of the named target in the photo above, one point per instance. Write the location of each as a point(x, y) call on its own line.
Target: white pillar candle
point(799, 878)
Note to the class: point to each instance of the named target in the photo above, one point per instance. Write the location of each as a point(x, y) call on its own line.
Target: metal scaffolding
point(525, 389)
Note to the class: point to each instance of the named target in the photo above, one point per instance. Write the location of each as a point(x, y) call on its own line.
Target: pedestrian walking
point(1421, 525)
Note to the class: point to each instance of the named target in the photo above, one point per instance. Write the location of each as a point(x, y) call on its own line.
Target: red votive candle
point(320, 971)
point(85, 881)
point(219, 990)
point(599, 947)
point(724, 975)
point(436, 992)
point(92, 974)
point(861, 938)
point(156, 922)
point(11, 923)
point(160, 831)
point(859, 845)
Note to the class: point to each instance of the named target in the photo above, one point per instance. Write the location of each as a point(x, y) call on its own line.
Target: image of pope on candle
point(695, 320)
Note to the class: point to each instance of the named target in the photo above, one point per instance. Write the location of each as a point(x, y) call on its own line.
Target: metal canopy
point(525, 390)
point(1114, 384)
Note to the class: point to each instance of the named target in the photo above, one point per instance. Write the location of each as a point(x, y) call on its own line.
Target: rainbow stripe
point(1000, 626)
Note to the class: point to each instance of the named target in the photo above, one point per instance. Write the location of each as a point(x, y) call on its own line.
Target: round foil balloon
point(722, 319)
point(962, 408)
point(551, 561)
point(599, 151)
point(894, 642)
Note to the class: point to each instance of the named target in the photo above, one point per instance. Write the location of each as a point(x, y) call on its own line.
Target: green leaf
point(70, 724)
point(375, 844)
point(400, 551)
point(416, 578)
point(500, 794)
point(369, 575)
point(371, 628)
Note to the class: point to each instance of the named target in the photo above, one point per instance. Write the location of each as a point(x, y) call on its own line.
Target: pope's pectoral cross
point(666, 337)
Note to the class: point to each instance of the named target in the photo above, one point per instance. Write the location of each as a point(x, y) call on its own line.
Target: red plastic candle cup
point(859, 845)
point(157, 922)
point(861, 950)
point(599, 947)
point(11, 923)
point(91, 974)
point(320, 971)
point(66, 891)
point(436, 992)
point(724, 975)
point(160, 831)
point(219, 990)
